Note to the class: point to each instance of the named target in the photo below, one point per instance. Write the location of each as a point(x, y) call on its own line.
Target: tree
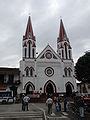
point(82, 68)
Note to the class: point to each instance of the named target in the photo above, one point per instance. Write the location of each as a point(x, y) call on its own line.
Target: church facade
point(50, 72)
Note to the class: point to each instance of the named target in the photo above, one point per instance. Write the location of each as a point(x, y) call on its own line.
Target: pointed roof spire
point(62, 32)
point(29, 30)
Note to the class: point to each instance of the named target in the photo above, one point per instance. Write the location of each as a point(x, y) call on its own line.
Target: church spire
point(63, 44)
point(29, 30)
point(62, 32)
point(29, 42)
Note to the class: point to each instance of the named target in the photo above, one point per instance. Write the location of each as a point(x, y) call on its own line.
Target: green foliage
point(82, 68)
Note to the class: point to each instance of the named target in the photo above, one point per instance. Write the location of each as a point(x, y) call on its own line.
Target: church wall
point(72, 81)
point(42, 78)
point(25, 79)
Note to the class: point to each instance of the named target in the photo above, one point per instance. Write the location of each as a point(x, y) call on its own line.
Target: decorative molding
point(49, 71)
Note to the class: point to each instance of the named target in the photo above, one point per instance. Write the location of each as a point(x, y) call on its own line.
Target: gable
point(48, 54)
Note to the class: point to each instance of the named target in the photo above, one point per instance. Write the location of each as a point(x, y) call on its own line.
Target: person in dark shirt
point(23, 104)
point(80, 104)
point(65, 104)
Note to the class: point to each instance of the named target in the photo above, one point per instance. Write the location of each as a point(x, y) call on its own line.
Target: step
point(57, 118)
point(21, 118)
point(18, 115)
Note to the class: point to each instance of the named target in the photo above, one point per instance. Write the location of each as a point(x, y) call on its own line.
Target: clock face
point(48, 55)
point(49, 71)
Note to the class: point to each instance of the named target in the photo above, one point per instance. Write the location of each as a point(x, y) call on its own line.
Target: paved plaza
point(33, 108)
point(39, 108)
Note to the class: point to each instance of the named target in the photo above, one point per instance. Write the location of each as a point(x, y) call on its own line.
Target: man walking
point(49, 103)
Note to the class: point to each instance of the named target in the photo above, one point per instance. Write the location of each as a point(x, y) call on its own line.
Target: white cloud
point(45, 17)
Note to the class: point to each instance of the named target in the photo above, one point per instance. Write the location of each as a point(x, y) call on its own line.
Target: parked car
point(6, 97)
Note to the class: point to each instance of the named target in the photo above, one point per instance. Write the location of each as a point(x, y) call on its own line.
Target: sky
point(45, 17)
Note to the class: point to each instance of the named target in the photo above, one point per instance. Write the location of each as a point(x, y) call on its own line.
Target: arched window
point(69, 71)
point(66, 50)
point(62, 54)
point(25, 52)
point(29, 49)
point(31, 71)
point(33, 52)
point(27, 71)
point(65, 71)
point(69, 54)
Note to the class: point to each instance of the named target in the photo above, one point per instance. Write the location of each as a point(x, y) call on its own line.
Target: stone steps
point(21, 115)
point(58, 118)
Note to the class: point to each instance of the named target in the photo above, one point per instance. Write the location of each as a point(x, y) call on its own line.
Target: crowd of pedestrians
point(49, 102)
point(57, 101)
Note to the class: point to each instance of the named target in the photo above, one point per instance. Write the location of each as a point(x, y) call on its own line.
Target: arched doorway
point(49, 88)
point(69, 89)
point(29, 87)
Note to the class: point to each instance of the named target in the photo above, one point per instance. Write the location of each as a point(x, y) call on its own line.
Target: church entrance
point(29, 87)
point(49, 88)
point(68, 90)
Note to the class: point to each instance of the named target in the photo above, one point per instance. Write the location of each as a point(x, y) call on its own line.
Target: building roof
point(6, 70)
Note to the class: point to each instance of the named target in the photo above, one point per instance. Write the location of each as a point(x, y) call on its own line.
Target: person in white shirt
point(49, 103)
point(26, 100)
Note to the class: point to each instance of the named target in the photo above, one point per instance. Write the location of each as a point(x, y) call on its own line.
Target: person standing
point(81, 107)
point(49, 103)
point(23, 104)
point(26, 100)
point(65, 104)
point(58, 105)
